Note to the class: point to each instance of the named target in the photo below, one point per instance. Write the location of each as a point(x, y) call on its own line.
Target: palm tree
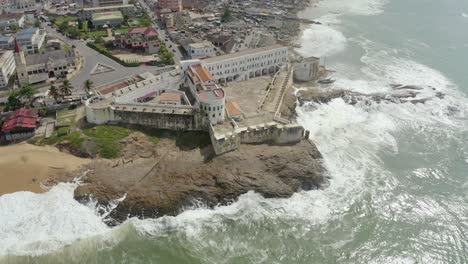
point(88, 85)
point(53, 92)
point(66, 87)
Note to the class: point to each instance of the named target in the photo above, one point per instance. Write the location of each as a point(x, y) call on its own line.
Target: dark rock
point(175, 179)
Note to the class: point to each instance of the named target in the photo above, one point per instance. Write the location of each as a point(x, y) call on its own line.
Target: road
point(90, 59)
point(163, 34)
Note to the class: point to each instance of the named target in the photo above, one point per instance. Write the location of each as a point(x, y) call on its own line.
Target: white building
point(211, 98)
point(10, 20)
point(201, 50)
point(31, 39)
point(7, 67)
point(247, 64)
point(87, 13)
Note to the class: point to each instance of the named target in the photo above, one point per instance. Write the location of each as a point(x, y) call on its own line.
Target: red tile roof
point(23, 122)
point(147, 31)
point(25, 118)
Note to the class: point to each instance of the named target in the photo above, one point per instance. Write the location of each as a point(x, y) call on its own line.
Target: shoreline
point(26, 167)
point(289, 168)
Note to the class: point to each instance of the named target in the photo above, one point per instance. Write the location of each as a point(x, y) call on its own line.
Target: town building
point(107, 19)
point(6, 42)
point(40, 67)
point(100, 3)
point(201, 50)
point(145, 38)
point(173, 5)
point(7, 67)
point(31, 39)
point(24, 4)
point(246, 64)
point(19, 124)
point(87, 13)
point(210, 96)
point(11, 21)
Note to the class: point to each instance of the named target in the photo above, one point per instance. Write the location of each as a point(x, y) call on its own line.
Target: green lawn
point(122, 30)
point(58, 20)
point(66, 117)
point(107, 139)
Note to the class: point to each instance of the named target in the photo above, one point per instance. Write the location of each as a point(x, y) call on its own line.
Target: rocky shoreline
point(172, 179)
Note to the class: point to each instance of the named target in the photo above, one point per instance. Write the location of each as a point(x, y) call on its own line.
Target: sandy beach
point(24, 166)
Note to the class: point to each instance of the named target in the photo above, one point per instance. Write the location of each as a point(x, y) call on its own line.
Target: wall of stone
point(267, 133)
point(224, 143)
point(273, 133)
point(306, 70)
point(193, 122)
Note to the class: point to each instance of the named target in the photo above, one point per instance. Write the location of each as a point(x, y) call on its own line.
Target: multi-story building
point(87, 13)
point(97, 3)
point(23, 4)
point(110, 19)
point(246, 64)
point(6, 42)
point(201, 50)
point(7, 67)
point(35, 68)
point(31, 39)
point(208, 94)
point(145, 38)
point(11, 20)
point(173, 5)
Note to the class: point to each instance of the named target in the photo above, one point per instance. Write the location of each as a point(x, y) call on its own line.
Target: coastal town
point(218, 67)
point(161, 102)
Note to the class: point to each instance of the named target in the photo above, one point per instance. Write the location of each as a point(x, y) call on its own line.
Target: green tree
point(227, 16)
point(53, 92)
point(37, 24)
point(88, 85)
point(63, 26)
point(73, 32)
point(19, 98)
point(66, 87)
point(90, 24)
point(80, 25)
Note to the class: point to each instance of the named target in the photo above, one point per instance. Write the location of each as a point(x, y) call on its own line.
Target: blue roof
point(29, 30)
point(4, 38)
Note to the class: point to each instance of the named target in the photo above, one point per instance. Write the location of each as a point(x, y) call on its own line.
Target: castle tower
point(20, 61)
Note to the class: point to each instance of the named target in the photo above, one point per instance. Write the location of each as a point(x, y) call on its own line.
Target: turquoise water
point(399, 188)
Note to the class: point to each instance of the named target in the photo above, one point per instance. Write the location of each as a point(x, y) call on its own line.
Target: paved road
point(90, 59)
point(163, 34)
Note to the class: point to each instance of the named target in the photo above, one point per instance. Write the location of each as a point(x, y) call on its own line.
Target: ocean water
point(399, 187)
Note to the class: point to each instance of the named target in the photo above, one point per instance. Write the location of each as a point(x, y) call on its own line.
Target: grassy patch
point(107, 139)
point(58, 20)
point(121, 30)
point(97, 33)
point(66, 117)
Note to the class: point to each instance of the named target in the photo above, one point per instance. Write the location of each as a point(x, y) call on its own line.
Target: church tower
point(21, 70)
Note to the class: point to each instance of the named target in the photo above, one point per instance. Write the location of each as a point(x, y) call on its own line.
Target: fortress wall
point(169, 121)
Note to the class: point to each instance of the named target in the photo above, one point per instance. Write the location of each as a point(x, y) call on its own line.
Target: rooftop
point(8, 16)
point(243, 53)
point(173, 97)
point(147, 31)
point(107, 15)
point(200, 45)
point(210, 95)
point(203, 73)
point(107, 7)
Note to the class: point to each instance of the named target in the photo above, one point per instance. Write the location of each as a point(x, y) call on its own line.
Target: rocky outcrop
point(172, 179)
point(399, 94)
